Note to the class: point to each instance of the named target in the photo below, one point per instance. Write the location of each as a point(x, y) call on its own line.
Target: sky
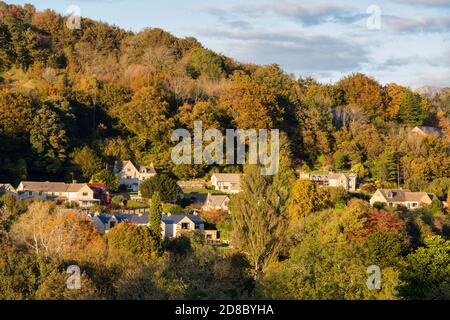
point(402, 41)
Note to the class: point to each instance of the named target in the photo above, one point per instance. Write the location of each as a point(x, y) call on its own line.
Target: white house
point(171, 225)
point(216, 202)
point(7, 188)
point(79, 193)
point(226, 182)
point(332, 179)
point(406, 198)
point(131, 175)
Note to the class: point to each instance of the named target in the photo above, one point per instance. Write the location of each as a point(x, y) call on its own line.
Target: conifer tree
point(154, 217)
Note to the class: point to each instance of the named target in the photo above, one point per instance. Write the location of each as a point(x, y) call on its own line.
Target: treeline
point(100, 94)
point(299, 243)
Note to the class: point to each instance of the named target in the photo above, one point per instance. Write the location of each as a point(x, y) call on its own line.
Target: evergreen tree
point(411, 113)
point(154, 216)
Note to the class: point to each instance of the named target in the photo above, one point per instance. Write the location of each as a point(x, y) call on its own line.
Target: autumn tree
point(250, 104)
point(364, 94)
point(259, 220)
point(306, 197)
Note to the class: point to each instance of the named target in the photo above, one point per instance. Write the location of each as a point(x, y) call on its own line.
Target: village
point(95, 201)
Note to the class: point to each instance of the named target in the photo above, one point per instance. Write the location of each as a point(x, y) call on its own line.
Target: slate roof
point(175, 218)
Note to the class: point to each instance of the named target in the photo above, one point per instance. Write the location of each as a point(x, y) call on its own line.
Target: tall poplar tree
point(154, 217)
point(259, 219)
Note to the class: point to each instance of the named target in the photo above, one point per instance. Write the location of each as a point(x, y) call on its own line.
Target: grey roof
point(143, 219)
point(104, 218)
point(175, 218)
point(429, 130)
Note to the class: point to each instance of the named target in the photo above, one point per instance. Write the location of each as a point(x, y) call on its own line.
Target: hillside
point(72, 101)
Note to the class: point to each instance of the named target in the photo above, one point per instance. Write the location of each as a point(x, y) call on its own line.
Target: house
point(7, 188)
point(400, 197)
point(100, 193)
point(216, 202)
point(425, 131)
point(226, 182)
point(332, 179)
point(105, 222)
point(131, 175)
point(174, 225)
point(171, 225)
point(79, 193)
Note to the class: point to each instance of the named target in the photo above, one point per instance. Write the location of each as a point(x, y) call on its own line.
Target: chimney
point(74, 181)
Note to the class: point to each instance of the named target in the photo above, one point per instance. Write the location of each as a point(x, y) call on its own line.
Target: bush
point(164, 184)
point(172, 208)
point(385, 248)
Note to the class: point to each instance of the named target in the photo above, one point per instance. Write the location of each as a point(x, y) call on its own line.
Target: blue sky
point(324, 39)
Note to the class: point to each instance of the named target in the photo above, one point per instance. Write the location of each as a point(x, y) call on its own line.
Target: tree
point(109, 179)
point(52, 234)
point(48, 140)
point(426, 272)
point(385, 248)
point(87, 160)
point(251, 105)
point(205, 63)
point(164, 184)
point(363, 94)
point(410, 112)
point(259, 219)
point(135, 240)
point(154, 216)
point(306, 198)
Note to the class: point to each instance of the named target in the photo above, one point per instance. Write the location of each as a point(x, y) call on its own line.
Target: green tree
point(154, 216)
point(164, 184)
point(259, 219)
point(109, 179)
point(87, 160)
point(135, 240)
point(385, 248)
point(205, 63)
point(48, 140)
point(411, 113)
point(426, 272)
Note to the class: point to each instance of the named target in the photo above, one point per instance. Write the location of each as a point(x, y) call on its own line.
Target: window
point(225, 187)
point(185, 226)
point(128, 170)
point(112, 224)
point(85, 194)
point(197, 226)
point(30, 193)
